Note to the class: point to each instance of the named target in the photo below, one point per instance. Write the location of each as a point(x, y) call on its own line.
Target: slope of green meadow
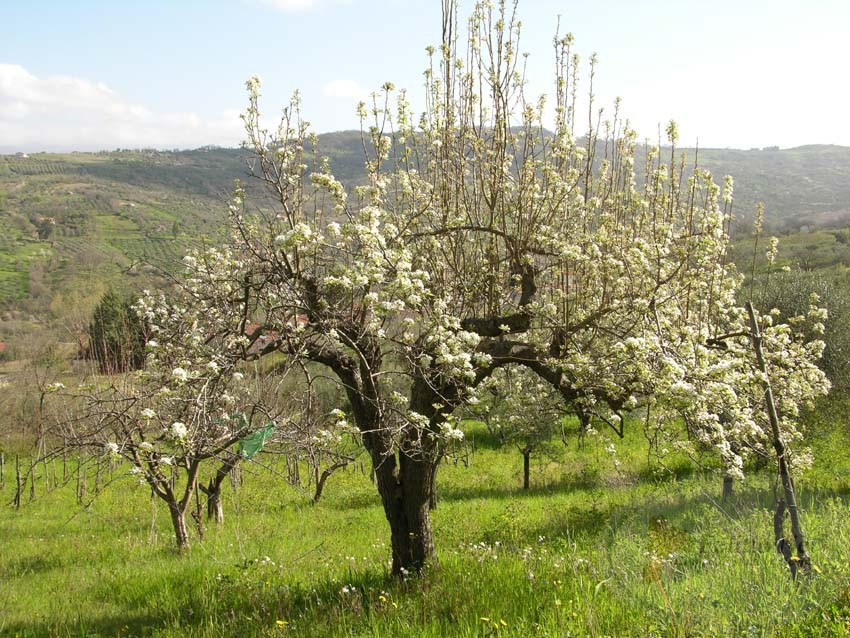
point(643, 550)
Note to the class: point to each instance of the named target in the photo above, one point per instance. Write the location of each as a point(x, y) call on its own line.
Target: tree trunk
point(526, 467)
point(320, 484)
point(432, 502)
point(178, 520)
point(322, 478)
point(403, 469)
point(728, 487)
point(405, 485)
point(19, 484)
point(215, 509)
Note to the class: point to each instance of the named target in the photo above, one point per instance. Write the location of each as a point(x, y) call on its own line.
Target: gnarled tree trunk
point(405, 484)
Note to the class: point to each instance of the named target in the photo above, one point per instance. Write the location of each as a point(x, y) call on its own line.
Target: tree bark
point(405, 481)
point(728, 487)
point(178, 520)
point(322, 478)
point(406, 496)
point(432, 503)
point(403, 469)
point(215, 509)
point(526, 467)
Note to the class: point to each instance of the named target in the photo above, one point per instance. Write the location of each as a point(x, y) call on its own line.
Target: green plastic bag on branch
point(251, 445)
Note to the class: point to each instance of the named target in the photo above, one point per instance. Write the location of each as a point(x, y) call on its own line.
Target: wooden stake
point(97, 478)
point(802, 560)
point(79, 484)
point(20, 484)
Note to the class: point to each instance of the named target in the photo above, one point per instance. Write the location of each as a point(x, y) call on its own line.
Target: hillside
point(73, 224)
point(804, 186)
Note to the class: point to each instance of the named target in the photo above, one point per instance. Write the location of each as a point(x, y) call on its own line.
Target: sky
point(102, 74)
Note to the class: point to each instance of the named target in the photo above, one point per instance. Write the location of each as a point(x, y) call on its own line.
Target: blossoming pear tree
point(521, 409)
point(482, 239)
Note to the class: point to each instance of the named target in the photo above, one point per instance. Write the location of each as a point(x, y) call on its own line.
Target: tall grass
point(588, 551)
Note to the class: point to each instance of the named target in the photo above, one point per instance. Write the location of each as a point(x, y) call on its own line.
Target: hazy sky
point(88, 74)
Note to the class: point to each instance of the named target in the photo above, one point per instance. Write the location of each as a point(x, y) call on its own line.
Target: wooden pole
point(20, 484)
point(79, 484)
point(802, 560)
point(97, 478)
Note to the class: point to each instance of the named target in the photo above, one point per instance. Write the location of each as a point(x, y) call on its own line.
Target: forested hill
point(71, 224)
point(803, 186)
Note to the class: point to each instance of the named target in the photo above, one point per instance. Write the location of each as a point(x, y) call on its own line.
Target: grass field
point(589, 550)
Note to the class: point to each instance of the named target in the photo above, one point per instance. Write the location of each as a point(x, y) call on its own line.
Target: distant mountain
point(72, 223)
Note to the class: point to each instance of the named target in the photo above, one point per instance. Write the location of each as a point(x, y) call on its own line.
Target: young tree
point(320, 434)
point(246, 449)
point(523, 410)
point(189, 405)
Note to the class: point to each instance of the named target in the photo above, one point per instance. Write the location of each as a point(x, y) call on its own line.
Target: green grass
point(587, 551)
point(17, 255)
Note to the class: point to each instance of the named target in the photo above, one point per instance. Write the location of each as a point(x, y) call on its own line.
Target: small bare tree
point(190, 405)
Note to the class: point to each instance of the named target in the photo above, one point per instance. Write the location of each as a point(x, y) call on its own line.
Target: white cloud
point(68, 113)
point(345, 89)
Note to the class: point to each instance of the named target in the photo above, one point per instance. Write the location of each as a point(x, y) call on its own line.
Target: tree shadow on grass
point(24, 565)
point(583, 482)
point(595, 513)
point(250, 599)
point(123, 604)
point(136, 623)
